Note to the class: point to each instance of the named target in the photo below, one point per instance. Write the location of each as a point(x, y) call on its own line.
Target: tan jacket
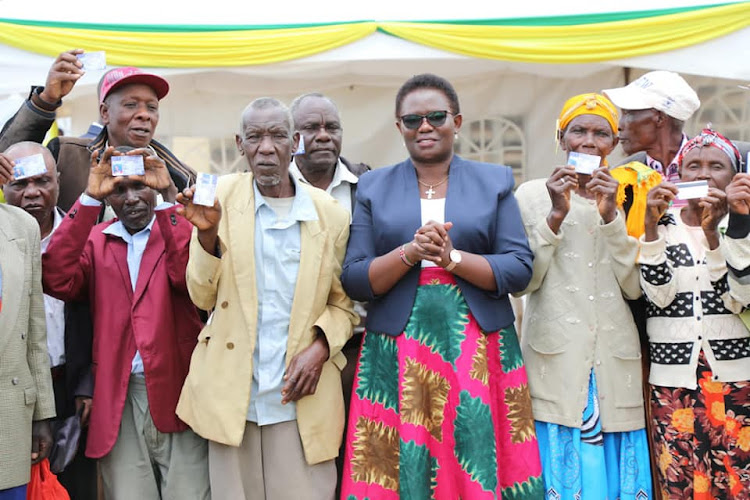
point(216, 394)
point(25, 381)
point(577, 318)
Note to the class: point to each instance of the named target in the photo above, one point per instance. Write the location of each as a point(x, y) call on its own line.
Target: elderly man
point(26, 400)
point(69, 347)
point(654, 110)
point(319, 163)
point(132, 271)
point(264, 384)
point(128, 109)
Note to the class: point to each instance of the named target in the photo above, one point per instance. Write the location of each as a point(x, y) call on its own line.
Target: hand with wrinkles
point(738, 194)
point(560, 185)
point(657, 203)
point(604, 188)
point(302, 375)
point(62, 76)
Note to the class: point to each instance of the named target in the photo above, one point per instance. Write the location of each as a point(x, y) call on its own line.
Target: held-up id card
point(584, 164)
point(29, 166)
point(127, 165)
point(205, 189)
point(690, 190)
point(93, 61)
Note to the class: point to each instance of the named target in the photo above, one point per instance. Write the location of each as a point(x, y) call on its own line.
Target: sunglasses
point(434, 118)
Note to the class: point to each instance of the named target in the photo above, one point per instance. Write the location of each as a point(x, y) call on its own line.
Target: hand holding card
point(29, 166)
point(127, 165)
point(205, 189)
point(583, 163)
point(692, 190)
point(93, 61)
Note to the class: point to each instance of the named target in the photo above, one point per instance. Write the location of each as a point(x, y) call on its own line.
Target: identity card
point(690, 190)
point(205, 189)
point(127, 165)
point(584, 164)
point(29, 166)
point(93, 61)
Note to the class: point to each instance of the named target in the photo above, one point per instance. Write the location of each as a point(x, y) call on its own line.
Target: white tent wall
point(201, 114)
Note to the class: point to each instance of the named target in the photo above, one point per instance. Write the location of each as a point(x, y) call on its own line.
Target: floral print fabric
point(442, 411)
point(702, 438)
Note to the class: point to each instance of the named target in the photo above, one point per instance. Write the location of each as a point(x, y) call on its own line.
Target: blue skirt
point(588, 464)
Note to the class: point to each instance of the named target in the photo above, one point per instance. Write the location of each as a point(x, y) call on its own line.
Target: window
point(727, 108)
point(494, 140)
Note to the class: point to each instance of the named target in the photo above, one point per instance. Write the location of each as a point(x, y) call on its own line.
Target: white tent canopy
point(362, 77)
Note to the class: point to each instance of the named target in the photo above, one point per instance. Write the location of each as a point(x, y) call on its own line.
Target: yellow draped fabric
point(578, 43)
point(187, 49)
point(581, 43)
point(641, 179)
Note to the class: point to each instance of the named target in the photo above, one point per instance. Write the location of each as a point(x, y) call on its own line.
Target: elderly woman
point(579, 342)
point(440, 407)
point(700, 348)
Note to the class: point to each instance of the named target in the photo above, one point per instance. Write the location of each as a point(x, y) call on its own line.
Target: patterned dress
point(703, 438)
point(443, 410)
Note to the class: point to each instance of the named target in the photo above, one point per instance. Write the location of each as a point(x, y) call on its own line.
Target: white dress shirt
point(54, 309)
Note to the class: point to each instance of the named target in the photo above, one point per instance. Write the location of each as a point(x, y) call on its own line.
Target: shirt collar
point(58, 218)
point(303, 208)
point(118, 229)
point(656, 164)
point(340, 174)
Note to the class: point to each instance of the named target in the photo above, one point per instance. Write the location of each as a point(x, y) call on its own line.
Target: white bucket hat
point(662, 90)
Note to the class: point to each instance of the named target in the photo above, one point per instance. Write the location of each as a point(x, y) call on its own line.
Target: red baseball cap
point(117, 77)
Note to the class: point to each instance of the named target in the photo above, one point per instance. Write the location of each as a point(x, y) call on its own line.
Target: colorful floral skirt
point(443, 410)
point(702, 438)
point(588, 464)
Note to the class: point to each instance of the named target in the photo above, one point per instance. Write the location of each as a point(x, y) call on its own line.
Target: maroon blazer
point(83, 263)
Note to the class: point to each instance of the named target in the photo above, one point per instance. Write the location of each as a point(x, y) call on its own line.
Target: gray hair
point(297, 102)
point(268, 102)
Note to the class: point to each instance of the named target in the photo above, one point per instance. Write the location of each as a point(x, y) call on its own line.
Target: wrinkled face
point(589, 134)
point(37, 195)
point(709, 164)
point(638, 130)
point(131, 114)
point(319, 126)
point(133, 203)
point(267, 142)
point(428, 143)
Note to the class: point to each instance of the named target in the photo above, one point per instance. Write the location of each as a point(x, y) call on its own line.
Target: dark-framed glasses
point(434, 118)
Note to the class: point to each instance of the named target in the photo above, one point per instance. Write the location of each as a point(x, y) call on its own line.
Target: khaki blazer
point(25, 381)
point(216, 394)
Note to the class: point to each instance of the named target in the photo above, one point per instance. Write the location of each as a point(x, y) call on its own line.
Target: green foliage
point(438, 320)
point(528, 490)
point(475, 441)
point(510, 351)
point(417, 472)
point(378, 372)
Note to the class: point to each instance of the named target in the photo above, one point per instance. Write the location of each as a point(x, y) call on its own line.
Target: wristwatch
point(455, 257)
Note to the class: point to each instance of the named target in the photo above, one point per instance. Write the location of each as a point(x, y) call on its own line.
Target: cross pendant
point(429, 193)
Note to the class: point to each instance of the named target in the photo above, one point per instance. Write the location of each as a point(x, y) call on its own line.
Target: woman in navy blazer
point(440, 400)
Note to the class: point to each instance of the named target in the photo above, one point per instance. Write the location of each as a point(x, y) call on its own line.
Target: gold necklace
point(429, 192)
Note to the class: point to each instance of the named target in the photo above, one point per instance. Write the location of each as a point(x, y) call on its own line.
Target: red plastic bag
point(44, 484)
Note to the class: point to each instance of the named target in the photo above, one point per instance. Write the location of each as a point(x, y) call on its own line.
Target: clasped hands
point(432, 243)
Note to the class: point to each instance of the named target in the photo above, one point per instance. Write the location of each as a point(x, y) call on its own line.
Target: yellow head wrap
point(588, 104)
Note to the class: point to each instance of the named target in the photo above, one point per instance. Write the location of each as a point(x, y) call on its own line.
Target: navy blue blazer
point(486, 221)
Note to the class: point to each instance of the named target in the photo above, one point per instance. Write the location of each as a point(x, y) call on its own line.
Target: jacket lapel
point(13, 277)
point(151, 255)
point(312, 241)
point(119, 251)
point(240, 227)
